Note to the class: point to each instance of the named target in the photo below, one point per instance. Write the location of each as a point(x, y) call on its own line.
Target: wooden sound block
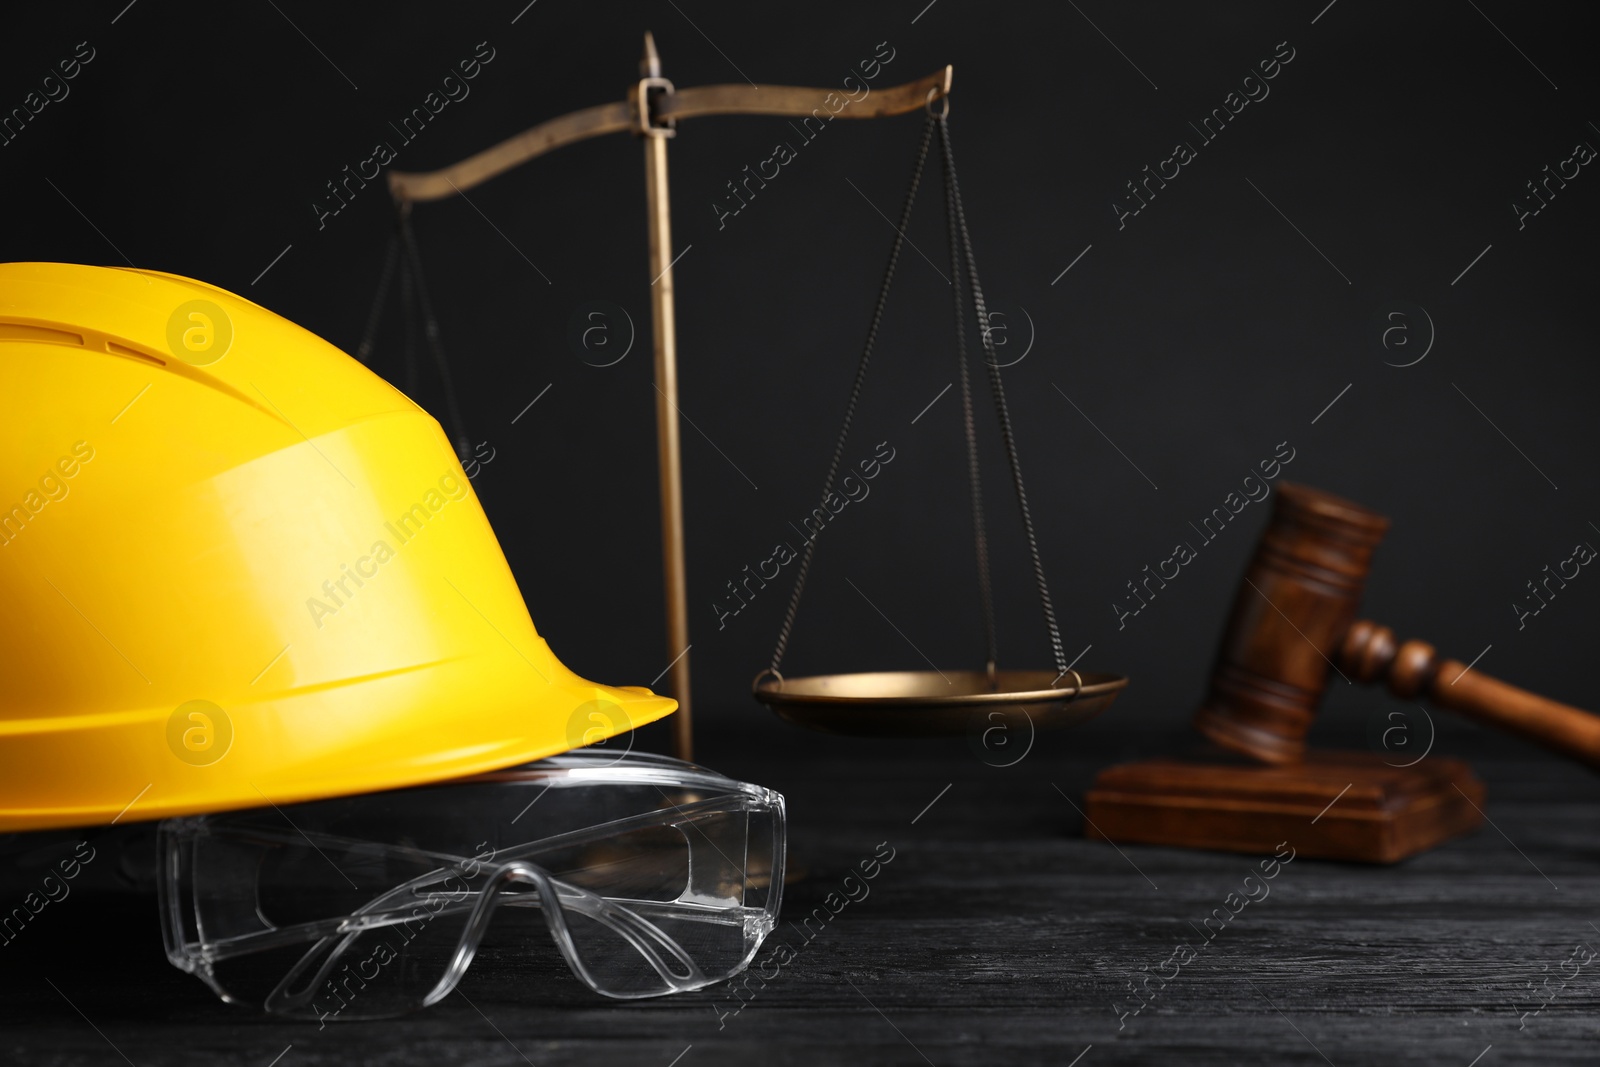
point(1335, 805)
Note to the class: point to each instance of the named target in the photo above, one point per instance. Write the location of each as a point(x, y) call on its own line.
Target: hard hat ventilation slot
point(19, 331)
point(123, 350)
point(27, 331)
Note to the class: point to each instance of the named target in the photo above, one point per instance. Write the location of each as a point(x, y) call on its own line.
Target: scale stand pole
point(663, 315)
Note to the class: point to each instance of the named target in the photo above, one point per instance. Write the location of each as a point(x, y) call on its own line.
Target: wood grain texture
point(1415, 669)
point(1335, 805)
point(1299, 595)
point(1293, 624)
point(998, 934)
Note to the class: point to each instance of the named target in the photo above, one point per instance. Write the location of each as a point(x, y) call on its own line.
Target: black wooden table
point(996, 934)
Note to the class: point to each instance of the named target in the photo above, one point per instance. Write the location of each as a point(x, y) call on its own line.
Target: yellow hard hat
point(239, 569)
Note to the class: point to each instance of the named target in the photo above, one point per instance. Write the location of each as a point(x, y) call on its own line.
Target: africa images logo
point(601, 726)
point(199, 333)
point(199, 733)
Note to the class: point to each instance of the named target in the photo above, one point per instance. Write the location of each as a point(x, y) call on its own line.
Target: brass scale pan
point(934, 703)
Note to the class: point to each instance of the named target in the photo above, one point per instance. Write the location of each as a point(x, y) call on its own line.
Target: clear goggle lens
point(644, 876)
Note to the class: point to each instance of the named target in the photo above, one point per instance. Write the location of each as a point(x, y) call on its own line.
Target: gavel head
point(1293, 612)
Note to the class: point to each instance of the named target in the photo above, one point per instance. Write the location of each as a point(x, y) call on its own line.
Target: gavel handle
point(1560, 727)
point(1414, 669)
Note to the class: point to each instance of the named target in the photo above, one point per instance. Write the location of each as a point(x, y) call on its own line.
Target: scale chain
point(431, 331)
point(992, 360)
point(963, 264)
point(408, 312)
point(364, 349)
point(413, 296)
point(855, 393)
point(974, 478)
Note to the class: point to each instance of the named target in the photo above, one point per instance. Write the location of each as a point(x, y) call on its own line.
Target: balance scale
point(893, 703)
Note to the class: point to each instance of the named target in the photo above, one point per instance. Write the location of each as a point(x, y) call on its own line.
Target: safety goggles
point(650, 876)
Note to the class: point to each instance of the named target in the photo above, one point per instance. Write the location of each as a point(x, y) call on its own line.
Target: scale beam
point(797, 100)
point(623, 117)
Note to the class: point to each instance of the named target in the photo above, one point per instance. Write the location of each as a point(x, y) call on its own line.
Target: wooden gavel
point(1294, 621)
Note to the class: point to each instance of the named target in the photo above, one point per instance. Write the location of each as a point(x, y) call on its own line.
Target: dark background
point(1197, 339)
